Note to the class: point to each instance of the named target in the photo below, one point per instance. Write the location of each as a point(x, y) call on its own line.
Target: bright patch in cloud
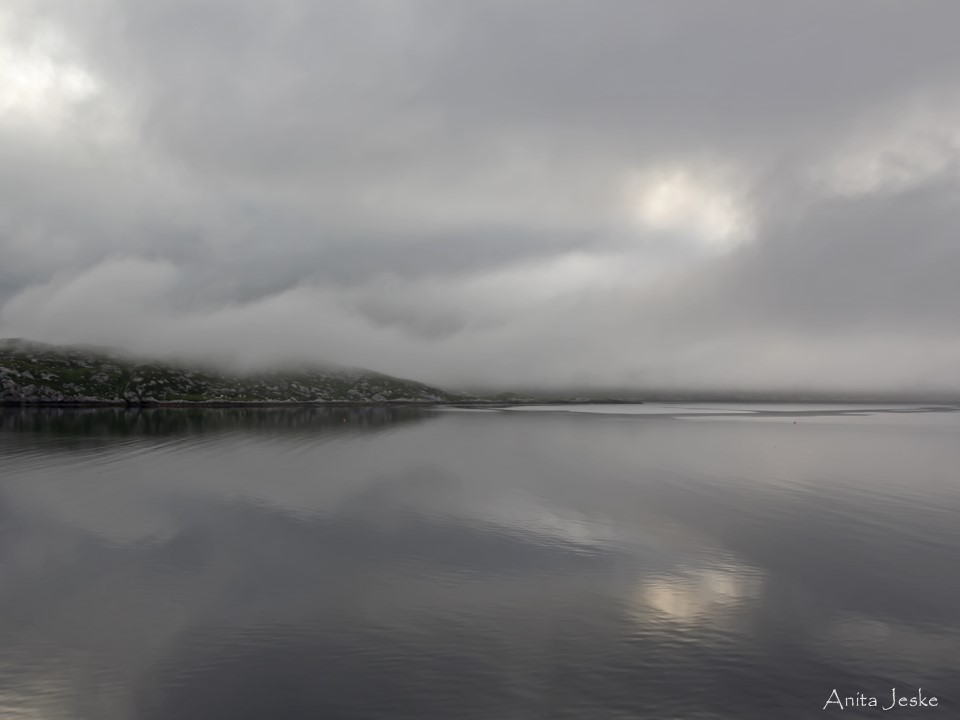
point(900, 153)
point(36, 78)
point(680, 202)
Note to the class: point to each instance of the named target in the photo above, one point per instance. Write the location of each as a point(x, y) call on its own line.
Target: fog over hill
point(40, 374)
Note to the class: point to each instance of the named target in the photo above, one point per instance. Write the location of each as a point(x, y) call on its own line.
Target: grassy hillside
point(34, 373)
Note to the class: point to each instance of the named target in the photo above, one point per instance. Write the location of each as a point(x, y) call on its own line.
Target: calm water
point(659, 562)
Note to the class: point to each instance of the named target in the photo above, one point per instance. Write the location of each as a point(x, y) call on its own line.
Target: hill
point(39, 374)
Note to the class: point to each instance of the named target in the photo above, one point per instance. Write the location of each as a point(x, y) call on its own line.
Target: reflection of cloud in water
point(702, 596)
point(536, 518)
point(42, 690)
point(148, 495)
point(894, 646)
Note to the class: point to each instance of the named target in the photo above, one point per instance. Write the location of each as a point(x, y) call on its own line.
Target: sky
point(508, 193)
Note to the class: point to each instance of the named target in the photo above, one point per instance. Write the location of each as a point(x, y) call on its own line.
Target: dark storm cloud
point(732, 193)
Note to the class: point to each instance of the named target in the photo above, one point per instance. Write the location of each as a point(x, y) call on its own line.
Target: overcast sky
point(730, 194)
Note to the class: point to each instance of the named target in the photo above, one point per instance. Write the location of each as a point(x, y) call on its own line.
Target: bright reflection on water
point(405, 563)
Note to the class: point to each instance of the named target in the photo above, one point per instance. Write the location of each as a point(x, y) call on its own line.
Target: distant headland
point(39, 374)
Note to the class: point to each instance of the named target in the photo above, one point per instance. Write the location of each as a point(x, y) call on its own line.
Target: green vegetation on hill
point(35, 373)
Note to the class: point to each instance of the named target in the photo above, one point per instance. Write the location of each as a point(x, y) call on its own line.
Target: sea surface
point(685, 562)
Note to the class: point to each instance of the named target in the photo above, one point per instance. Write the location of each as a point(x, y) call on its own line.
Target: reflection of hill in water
point(120, 422)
